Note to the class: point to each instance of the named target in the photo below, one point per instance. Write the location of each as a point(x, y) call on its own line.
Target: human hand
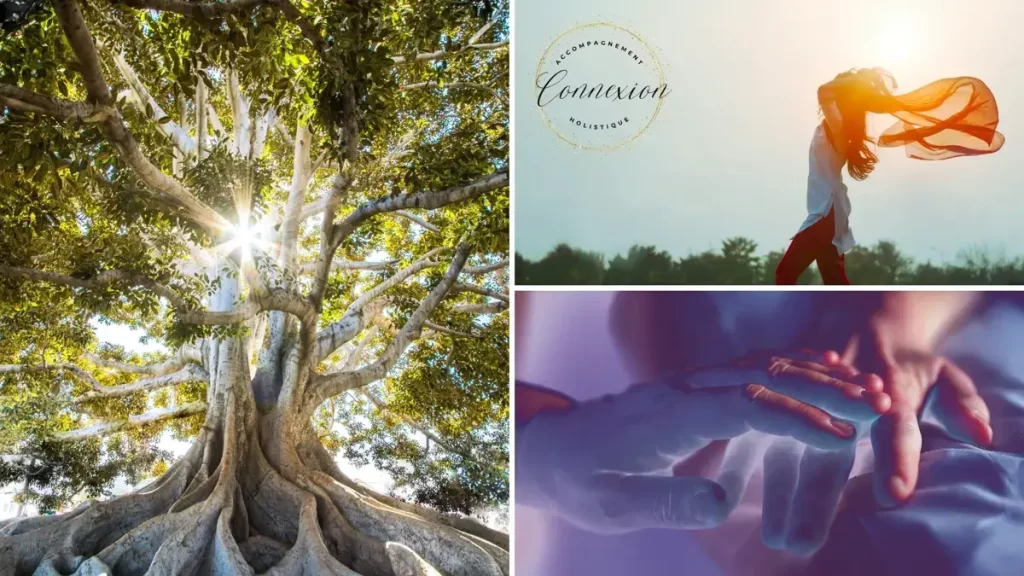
point(605, 464)
point(910, 369)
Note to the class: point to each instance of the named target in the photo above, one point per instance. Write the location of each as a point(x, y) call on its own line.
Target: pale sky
point(727, 156)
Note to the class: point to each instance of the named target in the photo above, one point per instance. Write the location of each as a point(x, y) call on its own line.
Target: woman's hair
point(866, 90)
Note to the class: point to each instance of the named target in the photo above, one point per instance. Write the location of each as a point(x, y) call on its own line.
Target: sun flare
point(244, 236)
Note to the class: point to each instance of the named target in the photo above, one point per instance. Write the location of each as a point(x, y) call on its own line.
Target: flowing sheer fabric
point(945, 119)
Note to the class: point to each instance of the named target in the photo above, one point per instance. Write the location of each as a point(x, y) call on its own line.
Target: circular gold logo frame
point(657, 108)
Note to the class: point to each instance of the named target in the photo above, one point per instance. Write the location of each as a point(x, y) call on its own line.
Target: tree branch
point(448, 331)
point(420, 200)
point(214, 120)
point(113, 127)
point(353, 359)
point(100, 280)
point(480, 33)
point(202, 119)
point(422, 264)
point(338, 194)
point(329, 385)
point(190, 373)
point(239, 116)
point(276, 300)
point(133, 421)
point(410, 216)
point(445, 54)
point(23, 100)
point(283, 131)
point(62, 366)
point(488, 308)
point(77, 33)
point(352, 322)
point(184, 356)
point(296, 197)
point(149, 106)
point(478, 270)
point(262, 128)
point(481, 291)
point(310, 267)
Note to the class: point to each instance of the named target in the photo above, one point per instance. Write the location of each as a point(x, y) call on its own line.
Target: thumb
point(637, 502)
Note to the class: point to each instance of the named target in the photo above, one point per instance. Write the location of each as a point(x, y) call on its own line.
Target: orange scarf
point(945, 119)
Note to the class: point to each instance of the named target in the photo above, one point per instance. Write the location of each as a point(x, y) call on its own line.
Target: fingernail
point(979, 417)
point(844, 429)
point(898, 487)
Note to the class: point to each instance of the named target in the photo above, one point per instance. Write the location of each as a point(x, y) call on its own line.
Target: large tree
point(306, 202)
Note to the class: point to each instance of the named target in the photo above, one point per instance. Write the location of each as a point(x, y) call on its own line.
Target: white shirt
point(825, 190)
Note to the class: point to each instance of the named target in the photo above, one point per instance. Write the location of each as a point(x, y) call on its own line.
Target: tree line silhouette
point(737, 262)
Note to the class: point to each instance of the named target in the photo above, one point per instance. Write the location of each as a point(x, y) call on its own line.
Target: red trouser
point(814, 244)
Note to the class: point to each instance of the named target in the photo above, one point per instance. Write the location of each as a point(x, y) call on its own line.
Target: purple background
point(568, 347)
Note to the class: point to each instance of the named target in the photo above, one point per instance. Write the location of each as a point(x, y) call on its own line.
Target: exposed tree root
point(310, 554)
point(262, 553)
point(408, 563)
point(61, 544)
point(226, 509)
point(450, 551)
point(317, 458)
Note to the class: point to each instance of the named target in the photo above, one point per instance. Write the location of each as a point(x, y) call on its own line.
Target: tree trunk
point(255, 494)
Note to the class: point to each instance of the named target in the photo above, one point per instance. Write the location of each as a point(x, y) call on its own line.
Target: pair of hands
point(638, 459)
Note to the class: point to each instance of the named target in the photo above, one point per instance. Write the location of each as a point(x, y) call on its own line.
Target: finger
point(832, 361)
point(868, 380)
point(818, 357)
point(831, 377)
point(834, 358)
point(896, 441)
point(821, 387)
point(823, 474)
point(841, 370)
point(637, 502)
point(808, 363)
point(960, 408)
point(781, 471)
point(741, 458)
point(776, 413)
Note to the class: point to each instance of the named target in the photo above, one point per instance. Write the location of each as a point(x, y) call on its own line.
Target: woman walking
point(945, 119)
